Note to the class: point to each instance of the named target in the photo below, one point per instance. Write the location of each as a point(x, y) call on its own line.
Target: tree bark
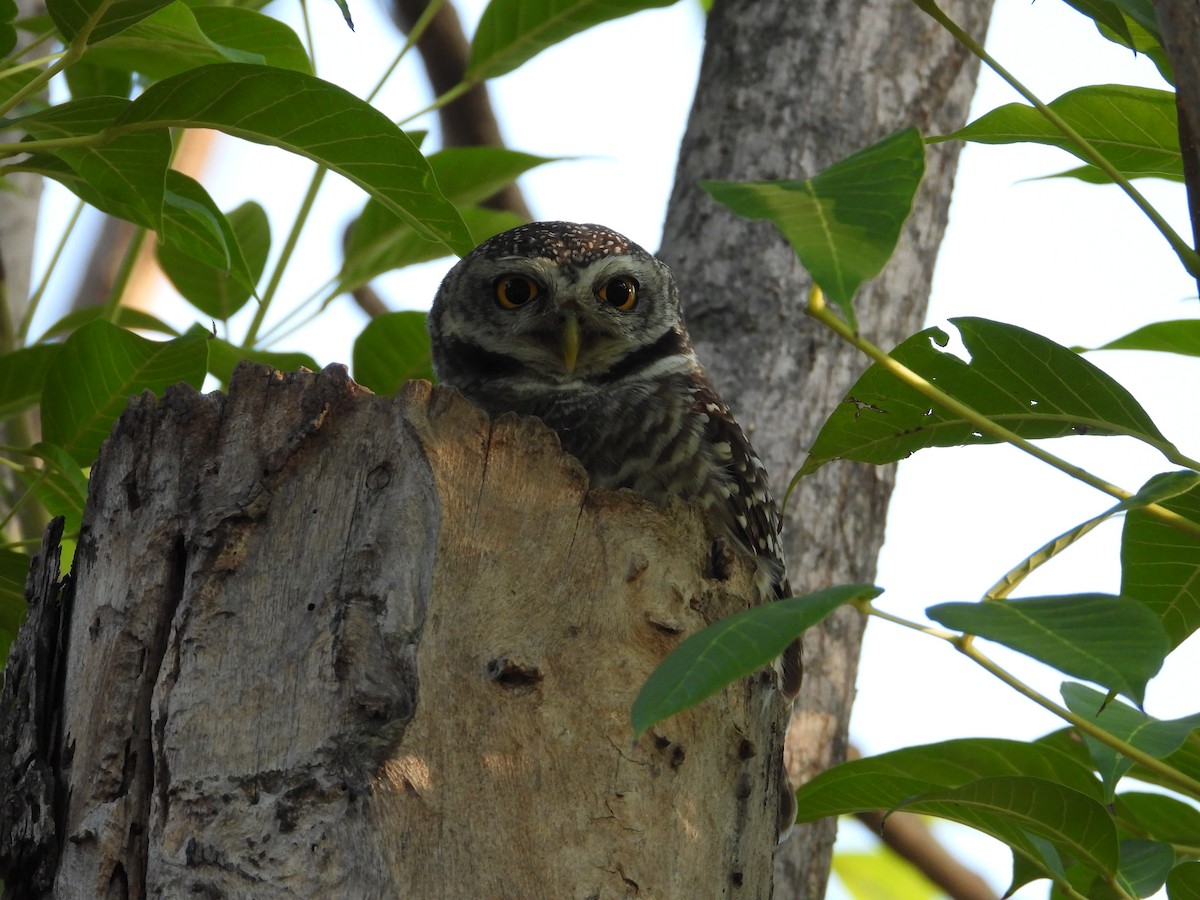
point(785, 90)
point(324, 643)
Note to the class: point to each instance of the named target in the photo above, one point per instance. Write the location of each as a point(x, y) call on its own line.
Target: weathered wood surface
point(331, 644)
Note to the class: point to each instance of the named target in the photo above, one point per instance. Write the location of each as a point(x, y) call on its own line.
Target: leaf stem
point(112, 306)
point(965, 644)
point(71, 54)
point(449, 97)
point(1187, 254)
point(285, 256)
point(1044, 554)
point(1181, 781)
point(818, 310)
point(35, 298)
point(50, 144)
point(410, 41)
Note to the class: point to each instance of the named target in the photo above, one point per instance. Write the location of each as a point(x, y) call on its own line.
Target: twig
point(907, 835)
point(470, 120)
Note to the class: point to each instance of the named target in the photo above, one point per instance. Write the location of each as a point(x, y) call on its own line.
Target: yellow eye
point(620, 293)
point(513, 291)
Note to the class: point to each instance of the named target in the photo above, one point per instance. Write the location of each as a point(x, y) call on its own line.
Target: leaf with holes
point(843, 223)
point(1018, 379)
point(733, 648)
point(1112, 641)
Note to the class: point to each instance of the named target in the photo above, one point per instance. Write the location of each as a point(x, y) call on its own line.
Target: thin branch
point(908, 836)
point(1187, 255)
point(818, 309)
point(470, 120)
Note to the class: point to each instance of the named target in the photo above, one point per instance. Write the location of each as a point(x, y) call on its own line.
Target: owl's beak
point(570, 343)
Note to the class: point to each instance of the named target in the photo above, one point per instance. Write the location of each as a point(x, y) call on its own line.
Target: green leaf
point(1021, 380)
point(1186, 760)
point(1110, 14)
point(13, 568)
point(98, 368)
point(887, 780)
point(1144, 866)
point(1153, 736)
point(126, 317)
point(1134, 128)
point(127, 171)
point(164, 44)
point(1157, 817)
point(22, 374)
point(469, 175)
point(733, 648)
point(314, 119)
point(1112, 641)
point(194, 225)
point(1160, 565)
point(381, 241)
point(1102, 12)
point(1184, 882)
point(249, 31)
point(8, 37)
point(1015, 808)
point(217, 291)
point(12, 82)
point(391, 350)
point(87, 80)
point(72, 16)
point(1179, 336)
point(843, 223)
point(60, 486)
point(345, 8)
point(224, 356)
point(511, 32)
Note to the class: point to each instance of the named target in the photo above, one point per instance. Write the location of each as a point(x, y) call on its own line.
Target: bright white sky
point(1074, 262)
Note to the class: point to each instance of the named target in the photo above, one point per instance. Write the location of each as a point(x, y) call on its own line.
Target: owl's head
point(557, 300)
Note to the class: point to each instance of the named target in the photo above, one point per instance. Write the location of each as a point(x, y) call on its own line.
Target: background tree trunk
point(327, 644)
point(785, 90)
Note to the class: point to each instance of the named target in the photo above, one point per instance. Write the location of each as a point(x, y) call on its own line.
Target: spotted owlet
point(581, 327)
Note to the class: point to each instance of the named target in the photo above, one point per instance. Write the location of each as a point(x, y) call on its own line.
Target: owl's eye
point(620, 293)
point(513, 291)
